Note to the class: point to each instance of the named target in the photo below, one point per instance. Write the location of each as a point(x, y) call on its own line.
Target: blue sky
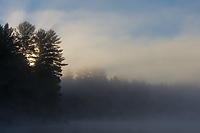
point(156, 41)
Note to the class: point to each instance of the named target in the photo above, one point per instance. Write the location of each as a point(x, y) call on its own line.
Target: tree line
point(88, 93)
point(30, 70)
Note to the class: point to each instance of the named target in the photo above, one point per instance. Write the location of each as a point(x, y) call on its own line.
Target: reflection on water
point(140, 126)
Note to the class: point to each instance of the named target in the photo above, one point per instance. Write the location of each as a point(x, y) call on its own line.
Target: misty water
point(100, 105)
point(107, 126)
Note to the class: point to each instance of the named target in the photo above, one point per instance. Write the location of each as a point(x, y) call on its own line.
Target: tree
point(25, 38)
point(13, 90)
point(48, 68)
point(6, 61)
point(83, 73)
point(68, 75)
point(23, 84)
point(98, 74)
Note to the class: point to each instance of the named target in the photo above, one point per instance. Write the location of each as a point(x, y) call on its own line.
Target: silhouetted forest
point(30, 71)
point(89, 94)
point(30, 85)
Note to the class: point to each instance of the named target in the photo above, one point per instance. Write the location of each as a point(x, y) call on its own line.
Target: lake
point(106, 126)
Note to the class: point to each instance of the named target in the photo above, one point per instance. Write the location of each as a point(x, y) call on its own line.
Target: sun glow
point(31, 59)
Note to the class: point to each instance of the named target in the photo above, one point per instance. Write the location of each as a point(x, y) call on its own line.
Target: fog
point(91, 102)
point(148, 75)
point(158, 45)
point(139, 126)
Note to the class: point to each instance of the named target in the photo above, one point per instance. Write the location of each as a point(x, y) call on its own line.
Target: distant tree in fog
point(91, 73)
point(68, 75)
point(93, 95)
point(98, 74)
point(83, 73)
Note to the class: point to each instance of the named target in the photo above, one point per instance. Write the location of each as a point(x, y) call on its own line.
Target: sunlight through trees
point(30, 69)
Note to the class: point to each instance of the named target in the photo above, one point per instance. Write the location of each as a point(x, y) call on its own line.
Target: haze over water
point(133, 66)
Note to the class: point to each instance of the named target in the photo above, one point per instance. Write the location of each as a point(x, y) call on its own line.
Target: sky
point(155, 41)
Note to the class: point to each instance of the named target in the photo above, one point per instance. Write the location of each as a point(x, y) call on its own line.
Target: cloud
point(13, 11)
point(157, 46)
point(15, 18)
point(164, 61)
point(47, 19)
point(100, 40)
